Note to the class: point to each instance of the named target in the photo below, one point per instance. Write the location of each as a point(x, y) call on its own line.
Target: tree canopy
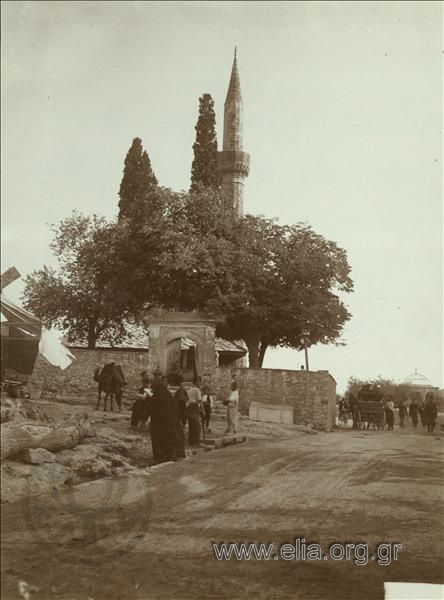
point(205, 167)
point(138, 177)
point(277, 285)
point(80, 295)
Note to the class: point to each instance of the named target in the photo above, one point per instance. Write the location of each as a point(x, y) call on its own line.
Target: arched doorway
point(182, 360)
point(166, 326)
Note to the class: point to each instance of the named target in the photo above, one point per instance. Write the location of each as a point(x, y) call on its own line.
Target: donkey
point(111, 381)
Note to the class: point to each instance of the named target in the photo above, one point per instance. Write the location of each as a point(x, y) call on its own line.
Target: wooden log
point(9, 276)
point(18, 436)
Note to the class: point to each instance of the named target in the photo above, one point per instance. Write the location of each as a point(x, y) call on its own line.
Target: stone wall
point(311, 393)
point(77, 379)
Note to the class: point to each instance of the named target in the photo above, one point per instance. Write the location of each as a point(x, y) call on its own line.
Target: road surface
point(150, 536)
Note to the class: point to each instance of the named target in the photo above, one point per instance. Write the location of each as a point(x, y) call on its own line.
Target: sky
point(342, 120)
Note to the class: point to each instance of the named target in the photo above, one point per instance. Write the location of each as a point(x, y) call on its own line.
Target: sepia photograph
point(222, 315)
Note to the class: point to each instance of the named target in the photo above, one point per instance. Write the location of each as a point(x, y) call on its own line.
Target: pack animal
point(111, 381)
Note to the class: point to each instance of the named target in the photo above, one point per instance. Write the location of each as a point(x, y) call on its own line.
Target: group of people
point(426, 411)
point(170, 415)
point(195, 408)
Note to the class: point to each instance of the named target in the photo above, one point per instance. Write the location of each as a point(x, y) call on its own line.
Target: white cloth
point(194, 395)
point(233, 398)
point(51, 347)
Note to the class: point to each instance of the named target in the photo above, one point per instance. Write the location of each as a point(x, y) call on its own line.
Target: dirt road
point(150, 536)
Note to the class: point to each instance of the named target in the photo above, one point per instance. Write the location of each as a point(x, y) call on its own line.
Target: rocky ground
point(111, 448)
point(133, 532)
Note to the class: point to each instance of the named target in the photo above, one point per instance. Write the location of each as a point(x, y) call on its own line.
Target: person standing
point(232, 404)
point(181, 397)
point(207, 406)
point(344, 410)
point(413, 412)
point(354, 408)
point(421, 407)
point(140, 410)
point(194, 410)
point(430, 412)
point(402, 412)
point(390, 413)
point(166, 429)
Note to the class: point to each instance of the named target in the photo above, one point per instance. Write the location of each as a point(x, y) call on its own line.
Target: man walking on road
point(402, 413)
point(430, 412)
point(413, 412)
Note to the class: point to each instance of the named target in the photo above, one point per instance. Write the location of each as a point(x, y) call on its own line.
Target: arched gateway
point(182, 341)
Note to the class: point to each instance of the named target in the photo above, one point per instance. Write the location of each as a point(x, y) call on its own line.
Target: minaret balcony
point(234, 161)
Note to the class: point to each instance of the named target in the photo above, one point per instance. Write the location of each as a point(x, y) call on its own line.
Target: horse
point(111, 381)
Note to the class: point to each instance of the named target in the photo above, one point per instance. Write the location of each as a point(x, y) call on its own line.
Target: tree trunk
point(263, 349)
point(253, 350)
point(92, 336)
point(16, 437)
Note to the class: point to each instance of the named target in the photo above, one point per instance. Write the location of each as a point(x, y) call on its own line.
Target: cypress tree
point(138, 177)
point(205, 168)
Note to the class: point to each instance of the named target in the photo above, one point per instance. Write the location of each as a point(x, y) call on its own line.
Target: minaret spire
point(234, 162)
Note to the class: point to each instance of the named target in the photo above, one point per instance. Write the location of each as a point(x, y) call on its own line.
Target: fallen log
point(18, 436)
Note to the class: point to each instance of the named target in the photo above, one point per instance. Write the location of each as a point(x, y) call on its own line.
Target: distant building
point(419, 383)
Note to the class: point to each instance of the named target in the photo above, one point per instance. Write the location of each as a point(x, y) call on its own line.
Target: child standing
point(207, 405)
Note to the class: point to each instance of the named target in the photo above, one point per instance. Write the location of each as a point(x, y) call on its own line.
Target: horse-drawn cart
point(371, 412)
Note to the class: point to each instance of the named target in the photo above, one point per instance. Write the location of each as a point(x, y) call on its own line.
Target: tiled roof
point(226, 346)
point(137, 339)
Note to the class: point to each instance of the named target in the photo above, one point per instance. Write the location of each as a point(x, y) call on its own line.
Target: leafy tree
point(138, 178)
point(147, 246)
point(276, 284)
point(205, 168)
point(287, 277)
point(80, 296)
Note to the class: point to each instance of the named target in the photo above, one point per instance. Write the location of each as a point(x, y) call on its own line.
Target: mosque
point(185, 343)
point(419, 383)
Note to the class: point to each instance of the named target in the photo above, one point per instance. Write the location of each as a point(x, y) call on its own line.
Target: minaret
point(234, 162)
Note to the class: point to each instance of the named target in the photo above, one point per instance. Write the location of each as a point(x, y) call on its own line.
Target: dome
point(417, 379)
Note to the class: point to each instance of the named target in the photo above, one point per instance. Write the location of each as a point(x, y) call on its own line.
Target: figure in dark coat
point(167, 437)
point(430, 412)
point(402, 413)
point(413, 412)
point(181, 397)
point(193, 414)
point(354, 408)
point(421, 413)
